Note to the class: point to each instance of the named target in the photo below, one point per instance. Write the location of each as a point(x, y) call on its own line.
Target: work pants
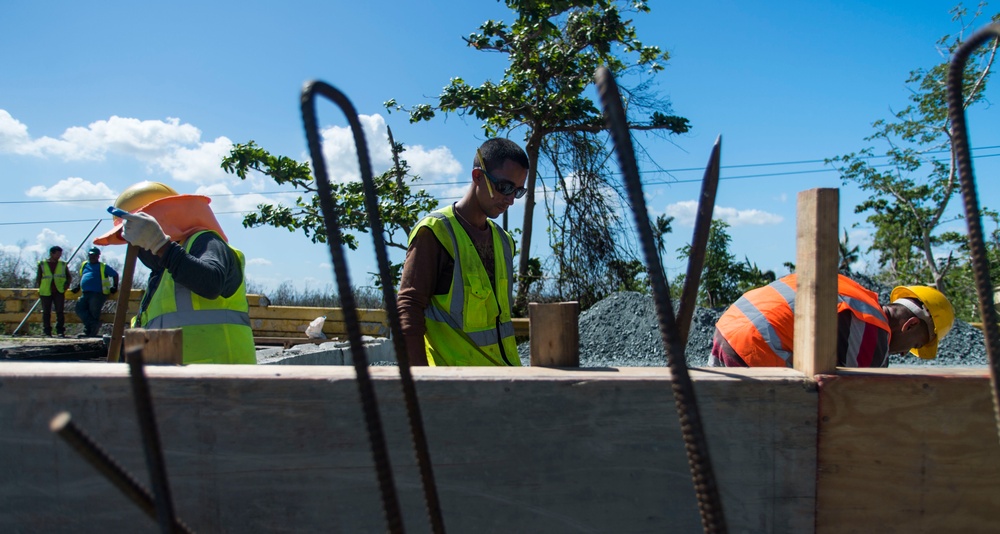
point(88, 307)
point(57, 301)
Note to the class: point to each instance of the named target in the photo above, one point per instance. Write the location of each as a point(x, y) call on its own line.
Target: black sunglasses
point(504, 187)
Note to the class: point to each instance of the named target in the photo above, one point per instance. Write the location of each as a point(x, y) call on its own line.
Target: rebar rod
point(692, 430)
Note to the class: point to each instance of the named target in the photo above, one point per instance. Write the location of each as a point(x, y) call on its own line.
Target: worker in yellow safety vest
point(97, 280)
point(51, 279)
point(758, 329)
point(455, 291)
point(196, 280)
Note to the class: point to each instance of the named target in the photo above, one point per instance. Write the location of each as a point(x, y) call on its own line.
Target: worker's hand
point(75, 289)
point(114, 290)
point(142, 230)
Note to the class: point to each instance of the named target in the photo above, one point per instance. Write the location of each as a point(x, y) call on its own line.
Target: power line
point(648, 183)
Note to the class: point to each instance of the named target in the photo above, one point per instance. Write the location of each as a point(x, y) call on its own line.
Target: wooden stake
point(121, 311)
point(159, 347)
point(555, 334)
point(815, 344)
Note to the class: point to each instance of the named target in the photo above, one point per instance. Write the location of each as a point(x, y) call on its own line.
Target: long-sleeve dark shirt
point(210, 270)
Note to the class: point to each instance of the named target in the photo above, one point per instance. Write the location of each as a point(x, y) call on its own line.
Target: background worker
point(51, 279)
point(196, 281)
point(455, 292)
point(97, 280)
point(758, 329)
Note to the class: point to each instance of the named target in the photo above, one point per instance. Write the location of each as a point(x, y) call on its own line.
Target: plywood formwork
point(907, 451)
point(259, 449)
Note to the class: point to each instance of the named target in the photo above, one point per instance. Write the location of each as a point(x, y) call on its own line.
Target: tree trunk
point(532, 149)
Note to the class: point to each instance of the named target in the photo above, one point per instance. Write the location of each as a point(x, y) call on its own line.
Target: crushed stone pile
point(622, 331)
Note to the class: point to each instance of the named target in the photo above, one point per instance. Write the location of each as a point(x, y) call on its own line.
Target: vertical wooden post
point(159, 347)
point(121, 311)
point(555, 334)
point(818, 249)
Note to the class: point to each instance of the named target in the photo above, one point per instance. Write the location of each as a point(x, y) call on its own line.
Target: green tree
point(553, 49)
point(911, 192)
point(587, 234)
point(848, 254)
point(723, 279)
point(399, 207)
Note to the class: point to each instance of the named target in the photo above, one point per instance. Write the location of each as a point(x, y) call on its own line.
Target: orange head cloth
point(180, 216)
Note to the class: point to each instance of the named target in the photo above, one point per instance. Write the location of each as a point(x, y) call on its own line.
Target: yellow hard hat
point(942, 315)
point(142, 193)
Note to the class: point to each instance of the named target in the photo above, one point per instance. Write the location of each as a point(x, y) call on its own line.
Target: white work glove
point(142, 230)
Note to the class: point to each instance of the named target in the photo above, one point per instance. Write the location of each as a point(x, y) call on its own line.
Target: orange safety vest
point(760, 326)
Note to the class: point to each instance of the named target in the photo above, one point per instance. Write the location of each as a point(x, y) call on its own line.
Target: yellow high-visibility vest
point(45, 289)
point(471, 324)
point(215, 330)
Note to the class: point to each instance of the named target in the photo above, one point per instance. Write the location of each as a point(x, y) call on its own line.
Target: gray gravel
point(622, 331)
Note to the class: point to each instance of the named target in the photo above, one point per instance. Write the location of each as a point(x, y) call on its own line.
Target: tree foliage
point(911, 192)
point(399, 207)
point(723, 278)
point(553, 49)
point(587, 235)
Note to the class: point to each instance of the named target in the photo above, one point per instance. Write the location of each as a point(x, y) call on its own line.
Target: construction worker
point(97, 280)
point(51, 279)
point(196, 281)
point(758, 329)
point(455, 293)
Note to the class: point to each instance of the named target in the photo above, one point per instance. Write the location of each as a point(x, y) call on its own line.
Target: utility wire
point(649, 183)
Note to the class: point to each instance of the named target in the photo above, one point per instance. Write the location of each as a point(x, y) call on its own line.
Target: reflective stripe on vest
point(760, 322)
point(45, 287)
point(755, 341)
point(186, 315)
point(471, 324)
point(215, 330)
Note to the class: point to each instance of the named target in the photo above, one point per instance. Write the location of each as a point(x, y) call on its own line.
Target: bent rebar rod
point(709, 504)
point(63, 425)
point(369, 403)
point(967, 180)
point(150, 439)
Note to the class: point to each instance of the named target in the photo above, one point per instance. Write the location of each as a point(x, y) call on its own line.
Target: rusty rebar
point(692, 430)
point(368, 400)
point(967, 181)
point(63, 425)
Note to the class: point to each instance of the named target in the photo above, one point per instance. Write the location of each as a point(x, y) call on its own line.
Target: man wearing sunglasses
point(455, 294)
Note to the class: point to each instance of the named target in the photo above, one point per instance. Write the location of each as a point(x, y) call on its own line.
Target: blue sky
point(94, 98)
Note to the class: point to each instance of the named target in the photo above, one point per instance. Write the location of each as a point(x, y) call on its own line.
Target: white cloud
point(225, 202)
point(259, 261)
point(342, 159)
point(142, 139)
point(13, 134)
point(200, 164)
point(685, 212)
point(165, 145)
point(72, 189)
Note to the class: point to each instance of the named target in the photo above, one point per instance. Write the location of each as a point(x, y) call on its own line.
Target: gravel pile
point(622, 331)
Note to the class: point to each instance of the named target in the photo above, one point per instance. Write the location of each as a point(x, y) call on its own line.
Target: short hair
point(55, 248)
point(498, 150)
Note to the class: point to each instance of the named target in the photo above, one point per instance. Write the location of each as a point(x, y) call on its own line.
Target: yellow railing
point(266, 320)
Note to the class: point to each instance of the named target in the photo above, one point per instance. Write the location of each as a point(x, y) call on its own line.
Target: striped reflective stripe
point(508, 257)
point(854, 339)
point(457, 306)
point(861, 306)
point(482, 338)
point(186, 315)
point(759, 321)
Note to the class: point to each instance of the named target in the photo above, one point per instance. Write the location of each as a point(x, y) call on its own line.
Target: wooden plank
point(159, 347)
point(907, 452)
point(569, 450)
point(555, 337)
point(815, 343)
